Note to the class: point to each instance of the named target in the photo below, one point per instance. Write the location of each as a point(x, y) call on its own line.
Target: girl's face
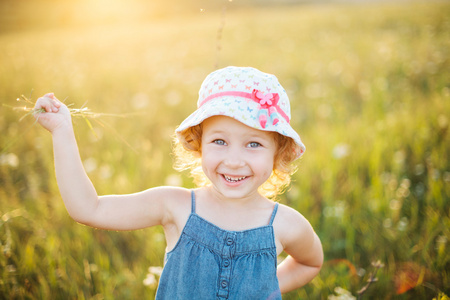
point(237, 159)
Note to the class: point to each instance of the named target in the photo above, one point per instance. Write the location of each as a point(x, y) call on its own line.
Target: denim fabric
point(211, 263)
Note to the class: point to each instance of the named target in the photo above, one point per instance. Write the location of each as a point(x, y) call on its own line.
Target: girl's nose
point(234, 159)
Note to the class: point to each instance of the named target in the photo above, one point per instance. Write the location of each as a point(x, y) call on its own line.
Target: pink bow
point(267, 108)
point(266, 100)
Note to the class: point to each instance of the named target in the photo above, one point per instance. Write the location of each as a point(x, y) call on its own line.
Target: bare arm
point(113, 212)
point(293, 274)
point(305, 252)
point(77, 191)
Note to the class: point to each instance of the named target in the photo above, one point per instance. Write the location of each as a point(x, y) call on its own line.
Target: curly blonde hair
point(188, 148)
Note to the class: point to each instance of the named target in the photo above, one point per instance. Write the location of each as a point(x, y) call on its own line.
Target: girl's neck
point(233, 214)
point(251, 201)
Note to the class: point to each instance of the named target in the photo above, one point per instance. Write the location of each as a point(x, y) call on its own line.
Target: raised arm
point(113, 212)
point(77, 191)
point(304, 248)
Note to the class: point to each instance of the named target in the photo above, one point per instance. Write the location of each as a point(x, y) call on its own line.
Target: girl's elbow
point(83, 212)
point(316, 270)
point(82, 218)
point(315, 266)
point(320, 259)
point(319, 256)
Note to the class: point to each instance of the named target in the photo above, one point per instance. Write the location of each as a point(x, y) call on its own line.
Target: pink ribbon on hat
point(268, 104)
point(267, 107)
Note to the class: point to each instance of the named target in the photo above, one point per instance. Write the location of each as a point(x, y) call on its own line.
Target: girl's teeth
point(229, 179)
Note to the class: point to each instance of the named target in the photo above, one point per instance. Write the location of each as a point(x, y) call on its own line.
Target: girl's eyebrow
point(214, 131)
point(258, 134)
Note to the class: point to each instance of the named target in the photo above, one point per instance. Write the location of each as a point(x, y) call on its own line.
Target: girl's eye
point(254, 144)
point(219, 142)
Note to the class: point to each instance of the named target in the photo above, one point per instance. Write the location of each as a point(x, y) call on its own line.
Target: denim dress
point(212, 263)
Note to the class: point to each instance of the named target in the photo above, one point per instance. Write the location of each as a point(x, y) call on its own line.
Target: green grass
point(370, 93)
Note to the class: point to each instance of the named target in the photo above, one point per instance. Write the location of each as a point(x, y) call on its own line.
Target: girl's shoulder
point(291, 226)
point(174, 197)
point(171, 201)
point(174, 193)
point(288, 214)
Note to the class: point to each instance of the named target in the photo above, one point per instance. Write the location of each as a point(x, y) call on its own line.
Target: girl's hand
point(56, 114)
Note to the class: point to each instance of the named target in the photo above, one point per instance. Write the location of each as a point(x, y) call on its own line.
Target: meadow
point(370, 93)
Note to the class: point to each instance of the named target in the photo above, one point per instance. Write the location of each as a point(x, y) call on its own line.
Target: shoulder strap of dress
point(192, 201)
point(274, 212)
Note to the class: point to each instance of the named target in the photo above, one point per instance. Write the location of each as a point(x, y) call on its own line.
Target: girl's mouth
point(233, 179)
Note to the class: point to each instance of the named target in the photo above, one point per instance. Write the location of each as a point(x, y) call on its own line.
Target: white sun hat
point(248, 95)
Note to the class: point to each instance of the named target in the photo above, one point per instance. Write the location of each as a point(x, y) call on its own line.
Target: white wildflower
point(155, 270)
point(341, 151)
point(342, 294)
point(150, 280)
point(9, 159)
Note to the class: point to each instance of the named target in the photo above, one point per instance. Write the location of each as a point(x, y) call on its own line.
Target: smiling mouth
point(234, 179)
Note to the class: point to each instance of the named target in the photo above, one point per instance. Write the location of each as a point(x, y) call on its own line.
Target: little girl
point(224, 237)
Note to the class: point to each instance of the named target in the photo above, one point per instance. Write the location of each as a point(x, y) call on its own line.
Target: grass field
point(370, 92)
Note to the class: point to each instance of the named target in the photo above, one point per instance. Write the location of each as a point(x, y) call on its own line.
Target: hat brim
point(210, 109)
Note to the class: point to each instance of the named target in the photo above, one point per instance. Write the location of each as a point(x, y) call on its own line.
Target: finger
point(44, 103)
point(50, 95)
point(55, 101)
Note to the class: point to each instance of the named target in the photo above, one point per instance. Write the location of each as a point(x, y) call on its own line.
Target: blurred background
point(369, 83)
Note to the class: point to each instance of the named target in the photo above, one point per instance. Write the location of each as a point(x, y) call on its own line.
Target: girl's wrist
point(63, 130)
